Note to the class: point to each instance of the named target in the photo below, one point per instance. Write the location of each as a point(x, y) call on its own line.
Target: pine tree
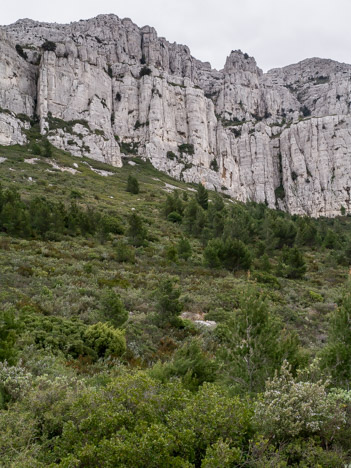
point(336, 357)
point(184, 249)
point(202, 196)
point(47, 149)
point(113, 308)
point(132, 185)
point(136, 231)
point(291, 264)
point(168, 305)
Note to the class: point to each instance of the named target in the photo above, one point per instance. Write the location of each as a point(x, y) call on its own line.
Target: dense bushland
point(167, 329)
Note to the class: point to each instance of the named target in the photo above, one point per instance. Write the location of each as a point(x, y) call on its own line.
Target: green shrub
point(184, 248)
point(171, 254)
point(250, 336)
point(190, 363)
point(9, 327)
point(291, 264)
point(21, 52)
point(56, 334)
point(105, 340)
point(336, 356)
point(113, 308)
point(168, 304)
point(291, 408)
point(136, 231)
point(202, 196)
point(145, 71)
point(172, 156)
point(214, 165)
point(173, 204)
point(231, 254)
point(186, 148)
point(49, 46)
point(174, 217)
point(124, 253)
point(132, 185)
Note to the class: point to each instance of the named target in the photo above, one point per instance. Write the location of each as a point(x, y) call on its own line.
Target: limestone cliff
point(105, 87)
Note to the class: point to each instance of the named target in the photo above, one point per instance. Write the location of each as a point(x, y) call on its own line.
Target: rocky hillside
point(105, 87)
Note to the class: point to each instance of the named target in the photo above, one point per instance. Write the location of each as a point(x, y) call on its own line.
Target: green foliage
point(190, 363)
point(66, 264)
point(49, 46)
point(202, 196)
point(284, 232)
point(194, 218)
point(105, 340)
point(291, 408)
point(21, 52)
point(171, 253)
point(47, 151)
point(254, 343)
point(291, 264)
point(184, 248)
point(307, 232)
point(331, 240)
point(132, 184)
point(173, 204)
point(186, 148)
point(305, 111)
point(8, 335)
point(336, 357)
point(280, 192)
point(129, 148)
point(44, 219)
point(168, 305)
point(136, 231)
point(145, 71)
point(231, 254)
point(220, 454)
point(56, 335)
point(174, 217)
point(124, 253)
point(36, 149)
point(214, 165)
point(266, 278)
point(113, 308)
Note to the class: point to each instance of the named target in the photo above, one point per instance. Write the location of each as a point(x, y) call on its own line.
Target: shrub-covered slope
point(145, 322)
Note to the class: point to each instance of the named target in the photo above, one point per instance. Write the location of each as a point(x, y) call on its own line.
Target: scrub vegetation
point(145, 322)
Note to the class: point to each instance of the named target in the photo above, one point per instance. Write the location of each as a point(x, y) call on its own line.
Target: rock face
point(105, 87)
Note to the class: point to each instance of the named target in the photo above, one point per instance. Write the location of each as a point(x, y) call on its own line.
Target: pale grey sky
point(275, 32)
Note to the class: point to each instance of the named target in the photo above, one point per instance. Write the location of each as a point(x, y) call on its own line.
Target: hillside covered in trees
point(145, 322)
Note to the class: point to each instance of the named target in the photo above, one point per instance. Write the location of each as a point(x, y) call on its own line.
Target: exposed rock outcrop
point(105, 87)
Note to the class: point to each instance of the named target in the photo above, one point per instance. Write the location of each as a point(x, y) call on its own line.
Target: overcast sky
point(275, 32)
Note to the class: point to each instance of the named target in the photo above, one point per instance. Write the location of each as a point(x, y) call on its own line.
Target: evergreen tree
point(291, 264)
point(173, 204)
point(136, 230)
point(231, 254)
point(336, 357)
point(202, 196)
point(113, 308)
point(254, 343)
point(132, 185)
point(171, 254)
point(8, 335)
point(168, 304)
point(47, 149)
point(184, 249)
point(194, 218)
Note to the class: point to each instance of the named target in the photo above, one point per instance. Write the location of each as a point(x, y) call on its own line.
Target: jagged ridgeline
point(104, 87)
